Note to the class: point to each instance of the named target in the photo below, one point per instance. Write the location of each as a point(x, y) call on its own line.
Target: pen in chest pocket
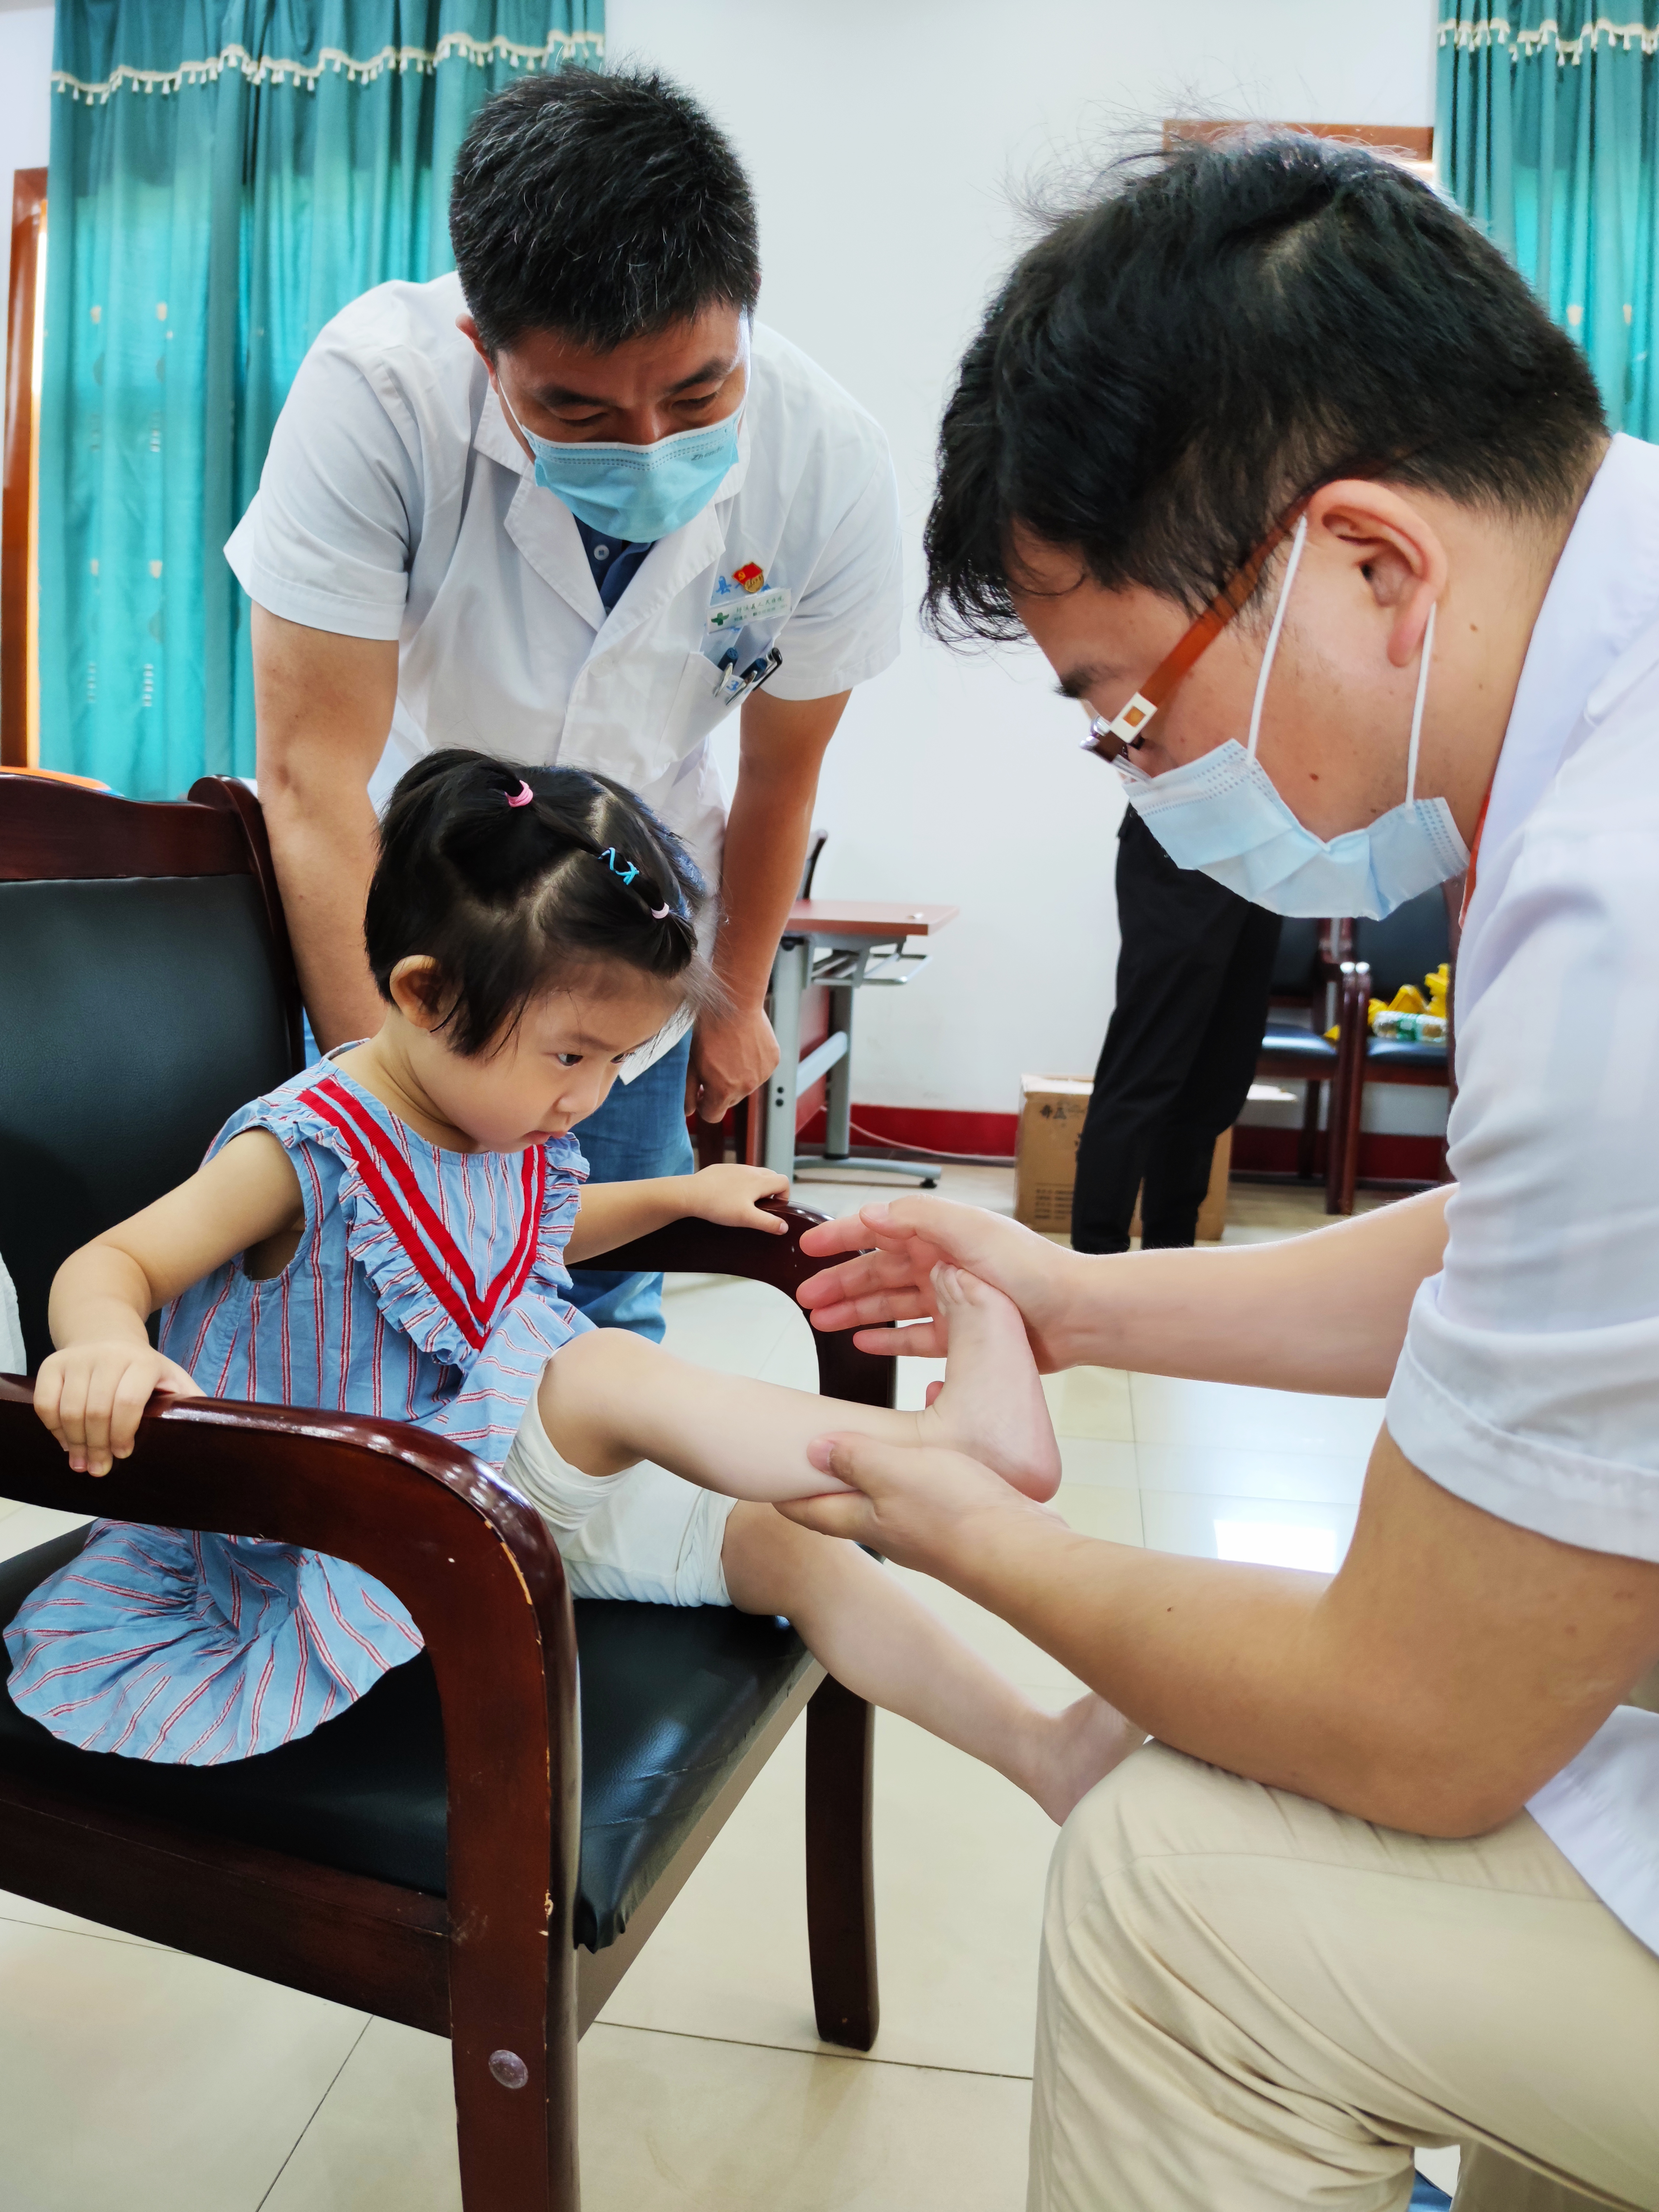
point(739, 680)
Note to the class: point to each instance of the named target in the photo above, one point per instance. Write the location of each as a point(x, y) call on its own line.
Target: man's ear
point(469, 329)
point(1393, 547)
point(416, 991)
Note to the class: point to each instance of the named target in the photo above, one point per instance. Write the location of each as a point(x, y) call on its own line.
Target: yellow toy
point(1408, 1000)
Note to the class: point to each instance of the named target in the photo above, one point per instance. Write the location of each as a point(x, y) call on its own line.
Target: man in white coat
point(571, 504)
point(1314, 511)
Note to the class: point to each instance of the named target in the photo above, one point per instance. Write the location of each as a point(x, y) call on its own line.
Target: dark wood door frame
point(28, 211)
point(1414, 140)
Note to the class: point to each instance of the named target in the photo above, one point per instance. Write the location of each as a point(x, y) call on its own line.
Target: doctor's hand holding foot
point(900, 1246)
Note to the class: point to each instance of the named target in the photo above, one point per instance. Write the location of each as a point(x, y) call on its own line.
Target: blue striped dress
point(427, 1286)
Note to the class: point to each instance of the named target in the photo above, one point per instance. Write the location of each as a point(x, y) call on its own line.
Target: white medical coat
point(1530, 1380)
point(396, 503)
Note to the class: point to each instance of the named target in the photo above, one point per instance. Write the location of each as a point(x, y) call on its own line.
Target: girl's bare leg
point(609, 1399)
point(859, 1621)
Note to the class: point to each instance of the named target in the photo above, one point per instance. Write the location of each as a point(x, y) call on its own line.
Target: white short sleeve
point(1530, 1380)
point(844, 626)
point(333, 530)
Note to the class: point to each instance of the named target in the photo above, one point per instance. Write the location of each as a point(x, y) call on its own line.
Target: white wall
point(885, 138)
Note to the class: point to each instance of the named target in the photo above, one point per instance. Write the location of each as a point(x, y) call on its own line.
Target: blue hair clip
point(626, 871)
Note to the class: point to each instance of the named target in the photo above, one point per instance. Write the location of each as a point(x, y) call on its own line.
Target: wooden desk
point(843, 944)
point(865, 920)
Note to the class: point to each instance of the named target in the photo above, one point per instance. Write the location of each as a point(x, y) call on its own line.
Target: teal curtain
point(1546, 133)
point(225, 175)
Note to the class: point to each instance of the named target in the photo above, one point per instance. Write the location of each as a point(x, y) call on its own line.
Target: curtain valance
point(1569, 35)
point(225, 176)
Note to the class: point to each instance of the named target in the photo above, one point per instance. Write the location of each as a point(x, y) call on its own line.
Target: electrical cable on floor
point(931, 1152)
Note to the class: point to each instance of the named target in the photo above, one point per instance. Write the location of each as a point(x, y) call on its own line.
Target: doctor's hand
point(893, 1282)
point(732, 1053)
point(918, 1505)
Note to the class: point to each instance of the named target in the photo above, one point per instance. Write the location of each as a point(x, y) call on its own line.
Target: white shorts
point(647, 1534)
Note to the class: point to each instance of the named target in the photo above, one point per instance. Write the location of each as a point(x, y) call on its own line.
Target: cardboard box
point(1051, 1111)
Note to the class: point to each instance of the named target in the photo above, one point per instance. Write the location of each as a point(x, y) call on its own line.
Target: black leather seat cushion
point(671, 1697)
point(1402, 1052)
point(1305, 1044)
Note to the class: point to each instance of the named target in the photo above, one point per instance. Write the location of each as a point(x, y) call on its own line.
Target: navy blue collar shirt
point(614, 560)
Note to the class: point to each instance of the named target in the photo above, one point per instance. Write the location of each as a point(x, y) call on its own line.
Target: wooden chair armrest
point(394, 1499)
point(705, 1248)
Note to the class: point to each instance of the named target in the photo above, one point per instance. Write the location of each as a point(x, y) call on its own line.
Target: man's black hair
point(605, 208)
point(1221, 329)
point(514, 881)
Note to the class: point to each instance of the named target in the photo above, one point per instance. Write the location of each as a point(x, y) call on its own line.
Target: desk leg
point(838, 1083)
point(791, 972)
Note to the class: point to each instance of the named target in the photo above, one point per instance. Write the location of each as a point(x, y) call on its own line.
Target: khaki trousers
point(1251, 2002)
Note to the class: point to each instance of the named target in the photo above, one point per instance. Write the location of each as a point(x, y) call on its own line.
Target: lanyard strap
point(1474, 856)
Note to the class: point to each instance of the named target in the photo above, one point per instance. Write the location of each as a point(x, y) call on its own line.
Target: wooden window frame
point(1411, 143)
point(19, 504)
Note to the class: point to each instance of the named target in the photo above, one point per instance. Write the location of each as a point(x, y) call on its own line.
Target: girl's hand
point(91, 1396)
point(890, 1281)
point(733, 1195)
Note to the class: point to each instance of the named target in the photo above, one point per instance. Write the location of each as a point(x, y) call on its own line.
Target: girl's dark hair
point(1215, 333)
point(509, 902)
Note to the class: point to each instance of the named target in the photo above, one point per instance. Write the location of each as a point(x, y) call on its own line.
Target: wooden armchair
point(482, 1844)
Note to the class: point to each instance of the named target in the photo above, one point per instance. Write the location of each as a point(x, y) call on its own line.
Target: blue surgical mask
point(1221, 814)
point(636, 493)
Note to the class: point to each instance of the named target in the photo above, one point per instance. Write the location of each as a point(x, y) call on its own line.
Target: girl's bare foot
point(1078, 1747)
point(991, 1404)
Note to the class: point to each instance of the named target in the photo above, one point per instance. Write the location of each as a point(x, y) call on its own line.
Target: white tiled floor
point(132, 2075)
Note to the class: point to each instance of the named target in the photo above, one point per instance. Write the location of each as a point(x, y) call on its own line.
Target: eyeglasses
point(1127, 729)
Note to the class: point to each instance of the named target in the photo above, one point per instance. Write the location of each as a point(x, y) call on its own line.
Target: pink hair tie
point(659, 914)
point(522, 796)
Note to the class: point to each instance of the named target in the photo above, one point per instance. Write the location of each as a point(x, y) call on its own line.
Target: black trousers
point(1192, 983)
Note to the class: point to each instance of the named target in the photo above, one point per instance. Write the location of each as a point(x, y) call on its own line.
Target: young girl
point(388, 1234)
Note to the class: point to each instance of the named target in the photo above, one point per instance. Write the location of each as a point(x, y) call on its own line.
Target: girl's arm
point(612, 1214)
point(92, 1390)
